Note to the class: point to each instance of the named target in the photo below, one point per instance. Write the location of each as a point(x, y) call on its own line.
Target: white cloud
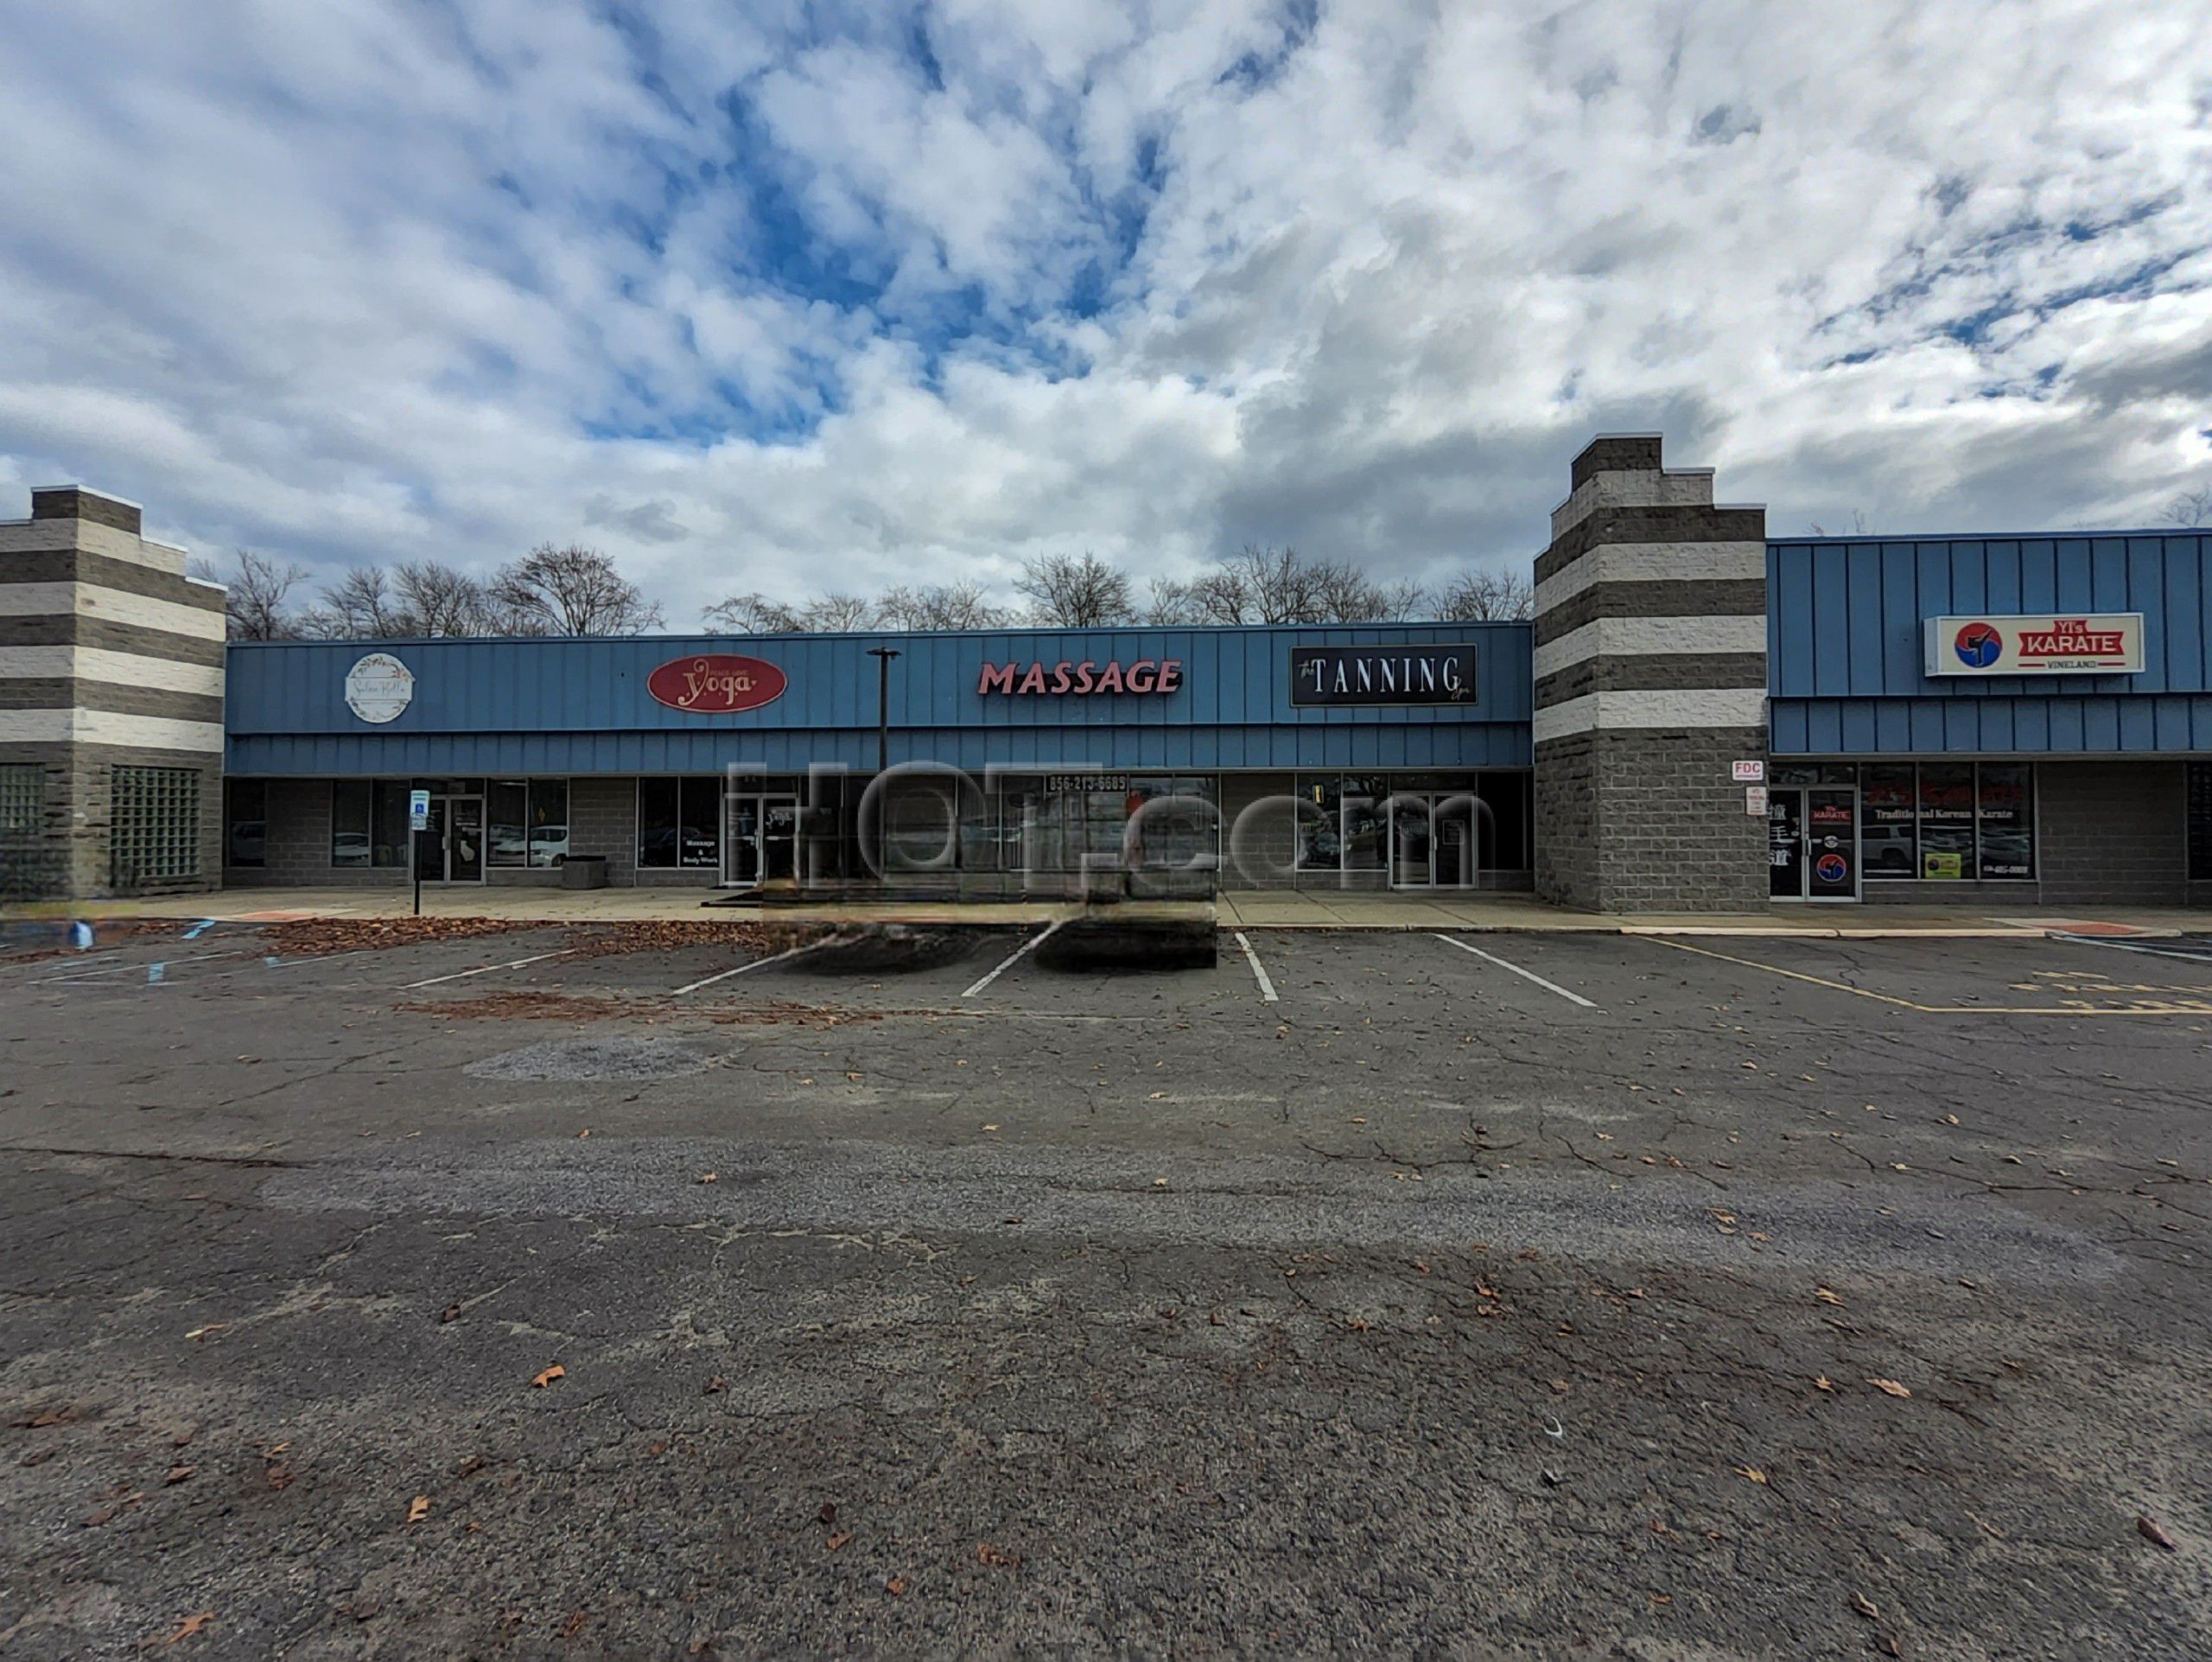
point(759, 302)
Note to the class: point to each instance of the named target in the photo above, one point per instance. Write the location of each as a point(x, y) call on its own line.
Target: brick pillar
point(111, 658)
point(1650, 666)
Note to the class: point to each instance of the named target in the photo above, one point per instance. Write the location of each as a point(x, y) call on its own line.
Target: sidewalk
point(1233, 909)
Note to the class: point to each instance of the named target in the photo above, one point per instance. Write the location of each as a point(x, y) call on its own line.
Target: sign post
point(418, 821)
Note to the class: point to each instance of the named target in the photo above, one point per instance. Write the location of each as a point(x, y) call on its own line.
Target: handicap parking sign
point(418, 810)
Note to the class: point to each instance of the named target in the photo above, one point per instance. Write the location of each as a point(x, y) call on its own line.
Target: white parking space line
point(2186, 956)
point(1011, 958)
point(130, 968)
point(757, 964)
point(487, 969)
point(1526, 975)
point(1267, 987)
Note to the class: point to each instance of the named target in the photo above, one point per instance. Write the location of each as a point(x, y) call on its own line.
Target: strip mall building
point(1699, 717)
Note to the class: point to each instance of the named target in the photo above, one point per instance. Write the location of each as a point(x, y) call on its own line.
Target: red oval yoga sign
point(715, 684)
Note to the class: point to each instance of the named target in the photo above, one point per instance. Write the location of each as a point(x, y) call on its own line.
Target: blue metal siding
point(1844, 630)
point(579, 706)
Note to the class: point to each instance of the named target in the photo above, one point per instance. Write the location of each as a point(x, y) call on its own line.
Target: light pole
point(883, 655)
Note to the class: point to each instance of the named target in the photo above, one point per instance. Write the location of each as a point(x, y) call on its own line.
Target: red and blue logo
point(1979, 645)
point(1832, 869)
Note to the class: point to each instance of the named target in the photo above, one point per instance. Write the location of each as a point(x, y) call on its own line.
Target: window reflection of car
point(509, 845)
point(549, 845)
point(249, 841)
point(349, 848)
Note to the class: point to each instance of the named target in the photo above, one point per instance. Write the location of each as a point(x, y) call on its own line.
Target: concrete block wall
point(1650, 666)
point(111, 657)
point(2112, 833)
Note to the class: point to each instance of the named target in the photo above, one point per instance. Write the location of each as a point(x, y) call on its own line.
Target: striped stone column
point(1650, 666)
point(111, 700)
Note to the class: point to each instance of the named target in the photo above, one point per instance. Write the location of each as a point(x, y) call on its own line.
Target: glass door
point(1785, 843)
point(464, 839)
point(1411, 840)
point(741, 840)
point(779, 837)
point(1832, 842)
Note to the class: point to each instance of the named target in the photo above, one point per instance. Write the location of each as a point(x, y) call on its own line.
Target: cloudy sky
point(787, 296)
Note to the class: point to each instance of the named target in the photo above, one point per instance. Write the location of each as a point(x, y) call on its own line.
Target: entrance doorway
point(1812, 842)
point(760, 839)
point(1431, 840)
point(451, 849)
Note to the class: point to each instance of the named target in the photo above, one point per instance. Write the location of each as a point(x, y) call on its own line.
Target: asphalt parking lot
point(1541, 1295)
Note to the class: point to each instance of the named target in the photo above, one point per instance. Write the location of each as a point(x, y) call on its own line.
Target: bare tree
point(752, 614)
point(1855, 527)
point(2190, 509)
point(258, 596)
point(1168, 602)
point(838, 614)
point(437, 600)
point(945, 606)
point(416, 598)
point(569, 590)
point(1499, 594)
point(1075, 592)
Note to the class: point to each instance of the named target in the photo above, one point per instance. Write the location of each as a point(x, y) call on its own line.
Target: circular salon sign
point(378, 687)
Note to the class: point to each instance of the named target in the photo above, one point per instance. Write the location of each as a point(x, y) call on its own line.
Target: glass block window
point(23, 801)
point(154, 825)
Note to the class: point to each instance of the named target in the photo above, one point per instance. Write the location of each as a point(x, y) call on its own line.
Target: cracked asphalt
point(1789, 1299)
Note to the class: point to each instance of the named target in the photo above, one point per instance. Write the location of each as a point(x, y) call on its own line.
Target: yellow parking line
point(2201, 1009)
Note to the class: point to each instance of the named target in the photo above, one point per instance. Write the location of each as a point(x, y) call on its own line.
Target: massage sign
point(1083, 679)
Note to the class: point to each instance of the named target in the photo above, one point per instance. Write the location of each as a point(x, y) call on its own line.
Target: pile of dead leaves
point(532, 1006)
point(675, 934)
point(319, 937)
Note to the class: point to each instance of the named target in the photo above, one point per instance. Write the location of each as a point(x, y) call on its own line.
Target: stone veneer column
point(1651, 663)
point(109, 655)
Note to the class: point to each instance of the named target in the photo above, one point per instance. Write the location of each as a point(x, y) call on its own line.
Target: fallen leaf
point(833, 1542)
point(180, 1473)
point(188, 1627)
point(583, 1133)
point(1890, 1387)
point(575, 1623)
point(710, 1177)
point(896, 1586)
point(1752, 1472)
point(827, 1512)
point(49, 1417)
point(211, 1327)
point(1950, 1119)
point(990, 1128)
point(1865, 1607)
point(2149, 1530)
point(998, 1558)
point(716, 1384)
point(419, 1509)
point(1826, 1296)
point(279, 1477)
point(557, 1371)
point(1159, 1183)
point(451, 1313)
point(1823, 1383)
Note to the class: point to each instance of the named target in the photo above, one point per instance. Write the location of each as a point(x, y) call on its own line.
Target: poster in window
point(2007, 840)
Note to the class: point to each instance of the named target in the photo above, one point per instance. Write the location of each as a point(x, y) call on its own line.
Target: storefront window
point(368, 822)
point(1366, 822)
point(679, 823)
point(246, 823)
point(2005, 820)
point(1065, 822)
point(1503, 824)
point(1320, 824)
point(1888, 815)
point(529, 821)
point(1946, 821)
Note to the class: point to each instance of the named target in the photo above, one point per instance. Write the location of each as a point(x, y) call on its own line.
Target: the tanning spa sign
point(2101, 643)
point(1382, 675)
